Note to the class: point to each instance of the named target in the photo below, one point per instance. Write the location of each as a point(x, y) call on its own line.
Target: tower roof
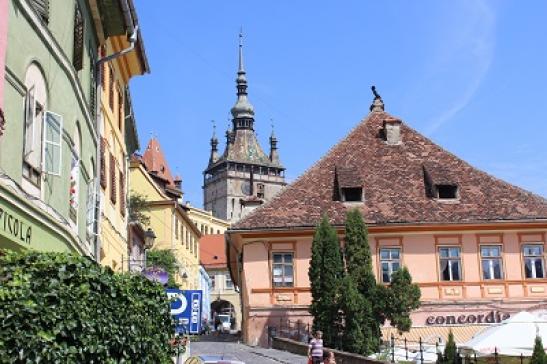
point(155, 162)
point(396, 181)
point(242, 145)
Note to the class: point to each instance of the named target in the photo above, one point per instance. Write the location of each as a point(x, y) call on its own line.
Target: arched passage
point(224, 315)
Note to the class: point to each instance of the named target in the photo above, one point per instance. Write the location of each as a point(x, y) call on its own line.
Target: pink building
point(473, 243)
point(3, 46)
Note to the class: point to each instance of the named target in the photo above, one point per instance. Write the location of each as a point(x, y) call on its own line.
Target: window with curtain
point(282, 270)
point(533, 261)
point(491, 262)
point(390, 261)
point(450, 263)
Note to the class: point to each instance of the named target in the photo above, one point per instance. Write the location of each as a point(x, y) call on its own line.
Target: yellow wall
point(206, 222)
point(113, 227)
point(173, 229)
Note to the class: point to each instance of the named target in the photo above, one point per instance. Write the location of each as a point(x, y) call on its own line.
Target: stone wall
point(302, 349)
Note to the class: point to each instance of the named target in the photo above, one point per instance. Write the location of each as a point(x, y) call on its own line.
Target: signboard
point(186, 309)
point(492, 317)
point(14, 226)
point(156, 274)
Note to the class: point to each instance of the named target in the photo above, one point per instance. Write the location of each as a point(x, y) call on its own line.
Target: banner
point(186, 310)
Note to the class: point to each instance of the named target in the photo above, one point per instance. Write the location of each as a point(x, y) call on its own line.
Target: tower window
point(260, 190)
point(352, 194)
point(447, 191)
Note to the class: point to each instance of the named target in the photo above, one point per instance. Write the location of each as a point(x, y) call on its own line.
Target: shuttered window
point(78, 46)
point(42, 9)
point(92, 80)
point(103, 163)
point(120, 110)
point(122, 193)
point(111, 88)
point(113, 184)
point(102, 53)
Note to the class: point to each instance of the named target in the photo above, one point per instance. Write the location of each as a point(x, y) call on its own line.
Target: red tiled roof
point(394, 180)
point(155, 162)
point(212, 250)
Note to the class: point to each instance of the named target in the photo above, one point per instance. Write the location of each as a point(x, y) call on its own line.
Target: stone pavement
point(229, 346)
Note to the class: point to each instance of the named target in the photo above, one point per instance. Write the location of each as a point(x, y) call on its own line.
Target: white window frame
point(490, 274)
point(533, 258)
point(389, 261)
point(46, 142)
point(282, 264)
point(30, 116)
point(450, 261)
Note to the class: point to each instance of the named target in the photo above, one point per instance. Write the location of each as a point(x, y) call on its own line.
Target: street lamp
point(149, 238)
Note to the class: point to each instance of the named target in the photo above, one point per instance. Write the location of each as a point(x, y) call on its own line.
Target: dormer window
point(348, 184)
point(351, 194)
point(446, 192)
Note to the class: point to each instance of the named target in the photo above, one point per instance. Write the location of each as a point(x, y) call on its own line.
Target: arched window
point(90, 202)
point(35, 106)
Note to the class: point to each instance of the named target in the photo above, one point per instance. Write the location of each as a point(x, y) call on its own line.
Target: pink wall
point(3, 45)
point(264, 305)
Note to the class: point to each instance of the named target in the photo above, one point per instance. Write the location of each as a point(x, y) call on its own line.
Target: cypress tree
point(325, 274)
point(538, 355)
point(355, 329)
point(402, 297)
point(359, 267)
point(450, 350)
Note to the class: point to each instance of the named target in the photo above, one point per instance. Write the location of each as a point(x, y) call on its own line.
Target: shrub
point(57, 307)
point(538, 355)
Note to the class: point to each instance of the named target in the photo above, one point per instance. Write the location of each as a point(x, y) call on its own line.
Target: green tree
point(355, 328)
point(402, 297)
point(325, 274)
point(138, 206)
point(359, 268)
point(166, 260)
point(538, 355)
point(63, 308)
point(450, 355)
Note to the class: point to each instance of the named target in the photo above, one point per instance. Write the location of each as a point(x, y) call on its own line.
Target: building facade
point(3, 44)
point(474, 244)
point(205, 221)
point(224, 298)
point(150, 178)
point(115, 129)
point(49, 139)
point(243, 177)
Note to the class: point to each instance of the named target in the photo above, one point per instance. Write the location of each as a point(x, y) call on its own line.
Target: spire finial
point(272, 125)
point(377, 103)
point(214, 128)
point(241, 68)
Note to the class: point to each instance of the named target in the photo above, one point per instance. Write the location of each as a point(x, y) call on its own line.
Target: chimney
point(392, 131)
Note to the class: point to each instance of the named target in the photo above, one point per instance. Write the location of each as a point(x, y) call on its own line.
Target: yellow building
point(205, 221)
point(150, 177)
point(117, 130)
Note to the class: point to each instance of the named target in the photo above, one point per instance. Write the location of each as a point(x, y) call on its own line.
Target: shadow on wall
point(262, 329)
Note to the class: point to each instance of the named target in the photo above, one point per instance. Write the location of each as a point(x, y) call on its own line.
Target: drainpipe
point(132, 30)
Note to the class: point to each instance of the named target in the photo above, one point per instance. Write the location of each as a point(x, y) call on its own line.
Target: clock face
point(246, 188)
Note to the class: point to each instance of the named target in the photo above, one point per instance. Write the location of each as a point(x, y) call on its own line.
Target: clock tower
point(244, 176)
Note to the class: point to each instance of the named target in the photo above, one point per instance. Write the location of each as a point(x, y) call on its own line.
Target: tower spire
point(214, 145)
point(243, 111)
point(274, 155)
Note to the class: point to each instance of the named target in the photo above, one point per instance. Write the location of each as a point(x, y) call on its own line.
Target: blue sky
point(471, 75)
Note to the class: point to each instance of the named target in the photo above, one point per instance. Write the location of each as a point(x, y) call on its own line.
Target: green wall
point(25, 45)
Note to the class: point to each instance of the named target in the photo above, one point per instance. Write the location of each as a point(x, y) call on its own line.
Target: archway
point(223, 315)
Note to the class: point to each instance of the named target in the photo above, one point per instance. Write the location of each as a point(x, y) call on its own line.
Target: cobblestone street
point(228, 345)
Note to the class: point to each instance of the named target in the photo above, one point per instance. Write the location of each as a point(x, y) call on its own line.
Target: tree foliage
point(166, 260)
point(325, 274)
point(57, 307)
point(450, 355)
point(138, 206)
point(402, 297)
point(355, 311)
point(538, 355)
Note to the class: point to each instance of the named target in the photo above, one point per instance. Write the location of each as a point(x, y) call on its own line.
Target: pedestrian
point(328, 357)
point(315, 348)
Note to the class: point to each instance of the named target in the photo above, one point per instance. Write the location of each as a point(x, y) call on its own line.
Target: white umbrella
point(513, 337)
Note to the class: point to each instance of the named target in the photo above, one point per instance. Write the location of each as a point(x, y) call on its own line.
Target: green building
point(49, 147)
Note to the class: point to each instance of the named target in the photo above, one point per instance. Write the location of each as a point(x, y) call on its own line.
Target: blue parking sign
point(186, 309)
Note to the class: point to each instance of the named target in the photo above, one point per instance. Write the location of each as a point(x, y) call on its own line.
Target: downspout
point(132, 30)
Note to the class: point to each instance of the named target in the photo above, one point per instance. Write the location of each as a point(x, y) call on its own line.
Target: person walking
point(315, 348)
